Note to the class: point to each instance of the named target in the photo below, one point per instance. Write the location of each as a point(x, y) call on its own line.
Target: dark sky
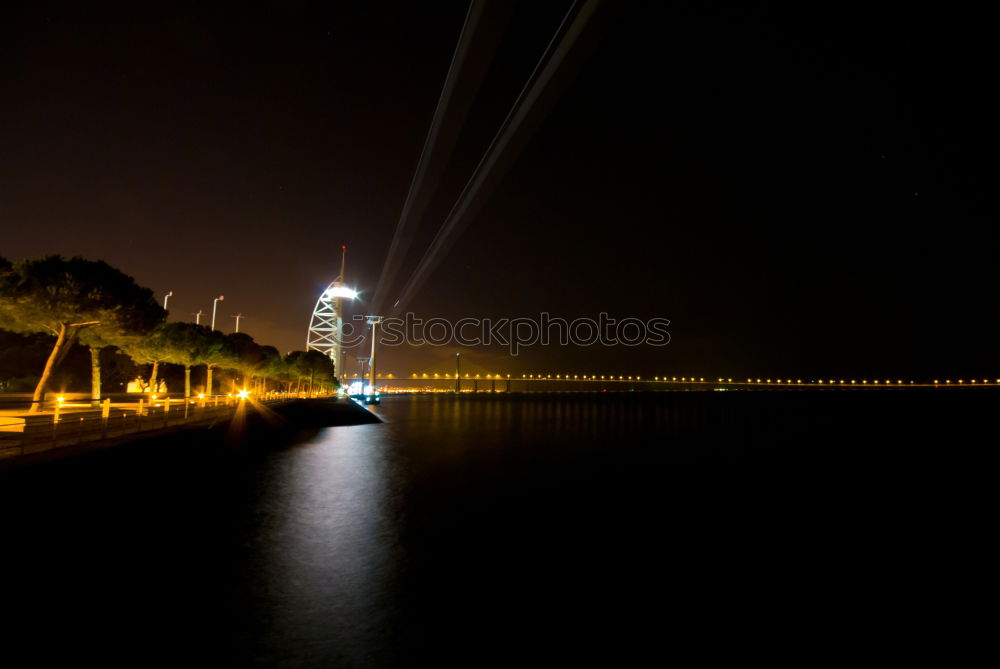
point(802, 192)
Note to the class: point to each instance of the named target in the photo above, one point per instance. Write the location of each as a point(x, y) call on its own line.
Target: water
point(531, 530)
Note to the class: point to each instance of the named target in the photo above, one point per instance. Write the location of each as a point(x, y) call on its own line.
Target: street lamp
point(374, 322)
point(362, 361)
point(197, 317)
point(165, 298)
point(238, 317)
point(215, 303)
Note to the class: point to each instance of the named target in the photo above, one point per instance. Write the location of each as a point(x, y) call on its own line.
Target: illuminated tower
point(326, 329)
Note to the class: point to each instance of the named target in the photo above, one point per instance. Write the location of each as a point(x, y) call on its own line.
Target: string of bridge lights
point(701, 380)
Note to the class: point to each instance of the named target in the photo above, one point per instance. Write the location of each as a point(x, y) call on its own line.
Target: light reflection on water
point(469, 530)
point(324, 547)
point(368, 539)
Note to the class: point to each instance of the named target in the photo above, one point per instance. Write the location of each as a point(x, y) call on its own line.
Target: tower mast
point(335, 352)
point(326, 329)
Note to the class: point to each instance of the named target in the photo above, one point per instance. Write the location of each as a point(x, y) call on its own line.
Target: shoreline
point(263, 418)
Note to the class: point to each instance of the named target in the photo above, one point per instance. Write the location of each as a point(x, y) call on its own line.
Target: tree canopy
point(68, 297)
point(51, 292)
point(311, 365)
point(96, 305)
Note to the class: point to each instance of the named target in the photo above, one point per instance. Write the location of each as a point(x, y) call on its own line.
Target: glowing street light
point(167, 297)
point(215, 303)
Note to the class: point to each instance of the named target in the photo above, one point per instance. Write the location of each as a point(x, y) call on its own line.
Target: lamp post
point(167, 297)
point(374, 322)
point(238, 317)
point(362, 361)
point(215, 303)
point(197, 317)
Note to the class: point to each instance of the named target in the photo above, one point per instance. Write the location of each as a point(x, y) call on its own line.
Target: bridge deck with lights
point(437, 382)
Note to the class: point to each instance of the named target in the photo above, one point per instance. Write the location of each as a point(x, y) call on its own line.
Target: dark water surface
point(530, 530)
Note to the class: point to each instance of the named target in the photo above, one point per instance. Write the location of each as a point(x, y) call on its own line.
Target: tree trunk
point(152, 378)
point(95, 374)
point(50, 366)
point(187, 381)
point(208, 380)
point(71, 336)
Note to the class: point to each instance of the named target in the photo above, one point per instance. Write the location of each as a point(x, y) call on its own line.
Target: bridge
point(444, 382)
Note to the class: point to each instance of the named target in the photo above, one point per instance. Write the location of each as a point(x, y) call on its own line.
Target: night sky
point(802, 192)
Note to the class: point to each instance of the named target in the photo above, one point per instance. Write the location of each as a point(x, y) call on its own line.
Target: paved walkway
point(32, 434)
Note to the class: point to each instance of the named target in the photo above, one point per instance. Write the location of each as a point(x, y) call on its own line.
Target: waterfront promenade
point(74, 422)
